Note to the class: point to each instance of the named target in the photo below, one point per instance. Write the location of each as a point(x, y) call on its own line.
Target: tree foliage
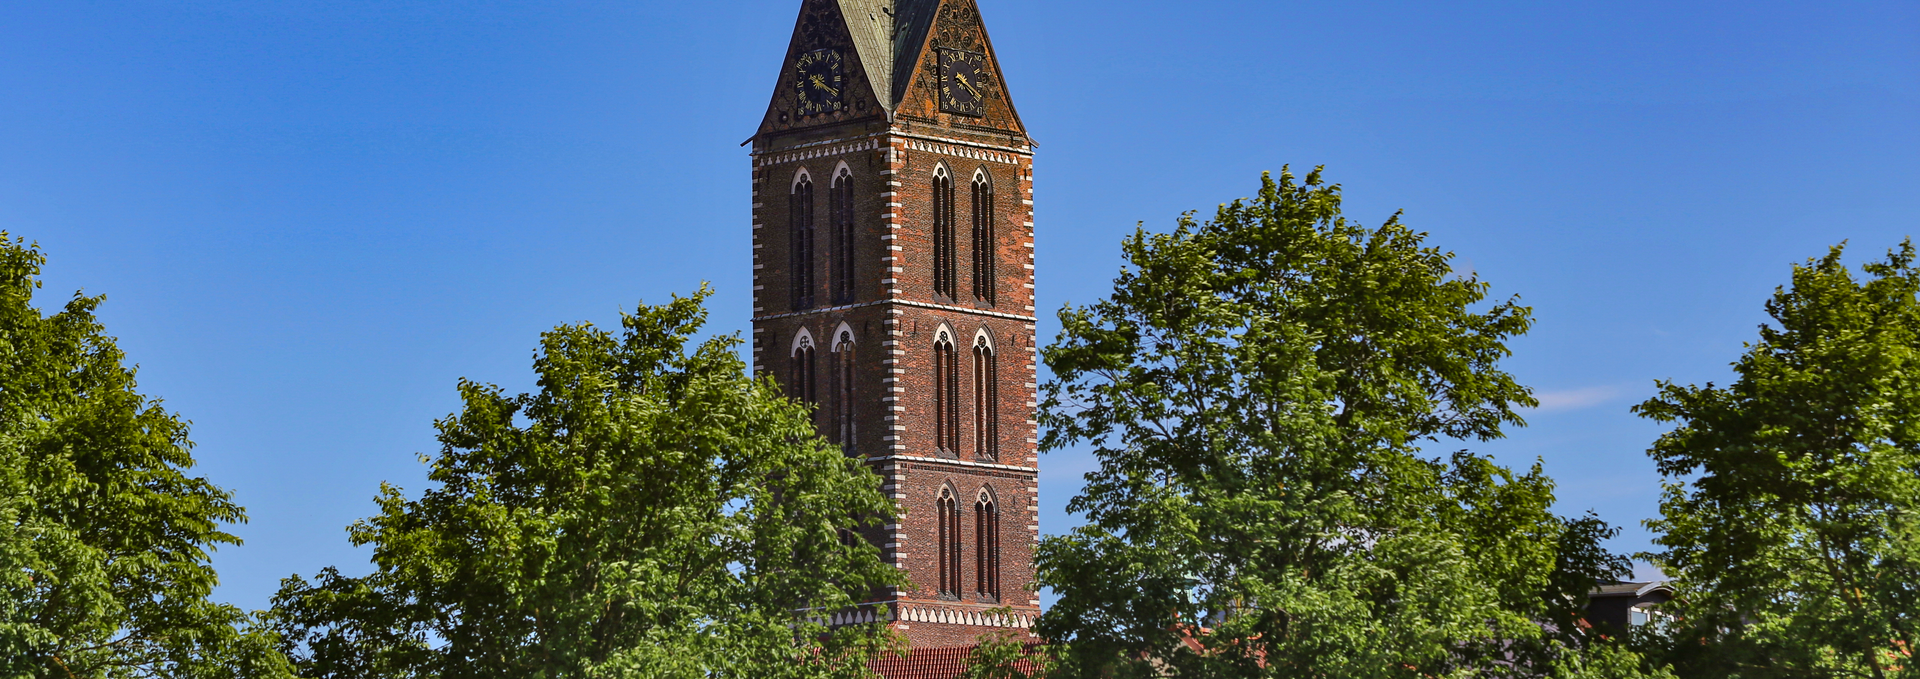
point(1257, 389)
point(649, 512)
point(1008, 655)
point(104, 538)
point(1792, 512)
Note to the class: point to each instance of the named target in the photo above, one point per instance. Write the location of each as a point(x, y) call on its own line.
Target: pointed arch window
point(800, 225)
point(843, 431)
point(803, 382)
point(946, 396)
point(943, 237)
point(949, 511)
point(983, 237)
point(840, 211)
point(986, 401)
point(986, 553)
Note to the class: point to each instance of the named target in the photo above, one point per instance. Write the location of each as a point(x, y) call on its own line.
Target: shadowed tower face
point(893, 289)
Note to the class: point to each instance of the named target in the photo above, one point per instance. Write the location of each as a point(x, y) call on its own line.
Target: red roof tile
point(931, 663)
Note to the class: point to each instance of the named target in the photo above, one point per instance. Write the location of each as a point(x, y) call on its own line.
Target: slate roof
point(912, 20)
point(1634, 589)
point(888, 35)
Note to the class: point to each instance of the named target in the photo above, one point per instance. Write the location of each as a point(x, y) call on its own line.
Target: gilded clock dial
point(963, 82)
point(820, 80)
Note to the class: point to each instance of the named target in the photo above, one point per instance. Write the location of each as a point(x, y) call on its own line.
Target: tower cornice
point(853, 146)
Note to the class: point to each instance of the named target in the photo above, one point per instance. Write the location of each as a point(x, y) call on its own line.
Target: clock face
point(963, 82)
point(819, 79)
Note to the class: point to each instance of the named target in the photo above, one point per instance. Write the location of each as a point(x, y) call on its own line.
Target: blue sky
point(311, 218)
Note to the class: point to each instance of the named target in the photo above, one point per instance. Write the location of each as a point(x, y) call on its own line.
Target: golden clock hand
point(821, 82)
point(969, 86)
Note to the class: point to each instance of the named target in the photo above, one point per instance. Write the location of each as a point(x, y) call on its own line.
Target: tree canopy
point(1791, 515)
point(650, 511)
point(1257, 389)
point(104, 537)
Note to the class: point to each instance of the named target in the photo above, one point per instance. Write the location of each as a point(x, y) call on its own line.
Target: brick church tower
point(893, 289)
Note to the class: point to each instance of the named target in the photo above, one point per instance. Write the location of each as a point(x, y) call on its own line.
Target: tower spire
point(893, 216)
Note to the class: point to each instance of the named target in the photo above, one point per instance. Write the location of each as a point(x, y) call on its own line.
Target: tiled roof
point(931, 663)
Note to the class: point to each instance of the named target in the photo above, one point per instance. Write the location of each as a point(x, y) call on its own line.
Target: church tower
point(893, 289)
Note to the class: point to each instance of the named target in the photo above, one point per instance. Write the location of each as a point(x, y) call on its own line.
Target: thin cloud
point(1576, 399)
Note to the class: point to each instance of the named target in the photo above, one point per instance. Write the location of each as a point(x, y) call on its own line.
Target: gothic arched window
point(986, 553)
point(840, 210)
point(983, 240)
point(843, 427)
point(800, 225)
point(946, 396)
point(943, 238)
point(986, 401)
point(949, 510)
point(803, 382)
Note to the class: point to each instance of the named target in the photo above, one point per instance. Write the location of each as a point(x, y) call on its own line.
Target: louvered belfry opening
point(944, 257)
point(803, 383)
point(986, 402)
point(946, 397)
point(840, 209)
point(983, 238)
point(949, 547)
point(843, 391)
point(986, 534)
point(800, 225)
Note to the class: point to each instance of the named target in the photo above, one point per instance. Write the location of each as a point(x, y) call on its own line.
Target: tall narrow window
point(946, 396)
point(800, 224)
point(983, 240)
point(986, 402)
point(840, 209)
point(986, 553)
point(843, 429)
point(943, 238)
point(803, 383)
point(949, 543)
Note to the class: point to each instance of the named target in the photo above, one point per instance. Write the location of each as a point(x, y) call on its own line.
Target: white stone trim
point(844, 329)
point(825, 149)
point(802, 338)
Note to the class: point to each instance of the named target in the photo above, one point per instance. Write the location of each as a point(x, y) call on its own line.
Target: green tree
point(648, 512)
point(1008, 656)
point(1256, 390)
point(1792, 513)
point(104, 538)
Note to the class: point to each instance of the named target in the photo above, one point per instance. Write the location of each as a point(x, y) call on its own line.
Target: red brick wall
point(895, 317)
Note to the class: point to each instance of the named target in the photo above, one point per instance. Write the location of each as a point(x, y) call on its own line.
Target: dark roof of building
point(1629, 589)
point(931, 663)
point(912, 20)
